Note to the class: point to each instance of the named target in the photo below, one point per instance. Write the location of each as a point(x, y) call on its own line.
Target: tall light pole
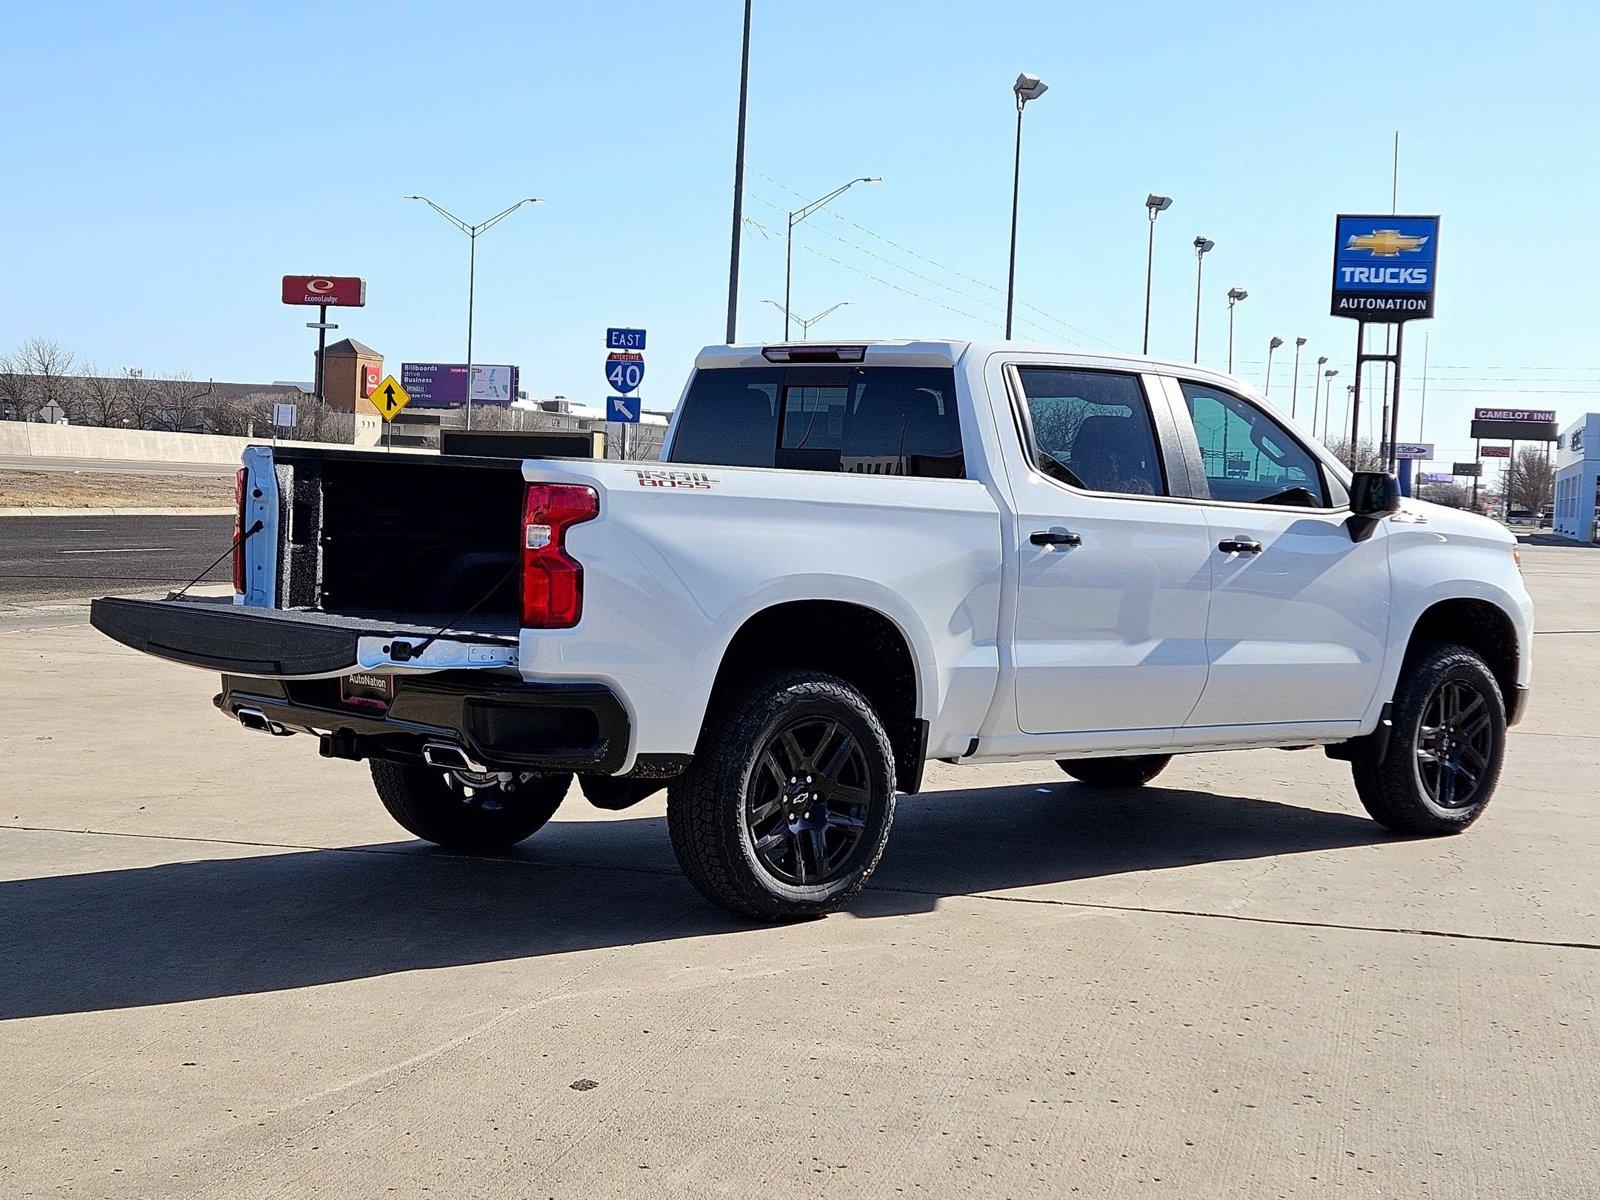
point(1202, 247)
point(1234, 296)
point(1294, 392)
point(1316, 391)
point(1327, 407)
point(1027, 87)
point(738, 186)
point(1271, 346)
point(804, 322)
point(472, 232)
point(794, 219)
point(1153, 204)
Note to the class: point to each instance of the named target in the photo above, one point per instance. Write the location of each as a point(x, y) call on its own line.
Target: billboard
point(1383, 267)
point(1515, 424)
point(1471, 470)
point(444, 385)
point(346, 291)
point(1418, 451)
point(1438, 476)
point(1495, 452)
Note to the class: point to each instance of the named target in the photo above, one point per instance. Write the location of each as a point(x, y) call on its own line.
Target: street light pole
point(1027, 87)
point(1271, 346)
point(1327, 409)
point(1154, 204)
point(794, 219)
point(738, 185)
point(1294, 392)
point(1316, 392)
point(804, 323)
point(1202, 247)
point(1234, 296)
point(472, 232)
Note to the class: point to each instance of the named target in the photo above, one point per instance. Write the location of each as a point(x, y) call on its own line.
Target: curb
point(116, 512)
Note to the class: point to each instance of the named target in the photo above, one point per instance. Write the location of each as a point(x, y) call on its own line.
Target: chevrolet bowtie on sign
point(1383, 267)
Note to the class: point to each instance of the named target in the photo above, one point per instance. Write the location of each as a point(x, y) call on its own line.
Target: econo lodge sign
point(345, 291)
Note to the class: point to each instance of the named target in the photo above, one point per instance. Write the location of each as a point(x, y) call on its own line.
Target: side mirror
point(1374, 494)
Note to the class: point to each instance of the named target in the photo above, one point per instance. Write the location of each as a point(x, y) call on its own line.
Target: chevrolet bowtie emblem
point(1384, 243)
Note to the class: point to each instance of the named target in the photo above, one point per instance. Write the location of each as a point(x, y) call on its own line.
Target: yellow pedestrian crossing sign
point(390, 398)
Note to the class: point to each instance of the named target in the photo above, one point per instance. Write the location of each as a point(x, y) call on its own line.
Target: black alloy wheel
point(1437, 769)
point(806, 807)
point(1455, 744)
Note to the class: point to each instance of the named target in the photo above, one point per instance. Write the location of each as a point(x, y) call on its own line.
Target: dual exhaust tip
point(447, 756)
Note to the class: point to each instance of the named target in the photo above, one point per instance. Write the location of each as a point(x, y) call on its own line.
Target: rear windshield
point(865, 420)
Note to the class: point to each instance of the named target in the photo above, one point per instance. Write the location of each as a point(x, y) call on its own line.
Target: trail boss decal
point(683, 481)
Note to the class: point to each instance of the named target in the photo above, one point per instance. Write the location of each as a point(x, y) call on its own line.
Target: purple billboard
point(444, 385)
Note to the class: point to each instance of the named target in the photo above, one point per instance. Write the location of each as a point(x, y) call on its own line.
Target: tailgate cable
point(405, 651)
point(232, 546)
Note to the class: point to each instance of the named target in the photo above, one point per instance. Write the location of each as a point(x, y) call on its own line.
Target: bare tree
point(1451, 495)
point(645, 442)
point(99, 399)
point(1366, 457)
point(241, 416)
point(1530, 481)
point(181, 402)
point(36, 374)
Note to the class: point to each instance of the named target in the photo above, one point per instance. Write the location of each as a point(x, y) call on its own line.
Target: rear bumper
point(504, 724)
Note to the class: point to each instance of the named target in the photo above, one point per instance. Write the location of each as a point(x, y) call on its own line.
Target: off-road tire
point(708, 814)
point(1132, 771)
point(1392, 788)
point(425, 801)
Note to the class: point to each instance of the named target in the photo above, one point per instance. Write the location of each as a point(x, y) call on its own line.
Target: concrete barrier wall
point(32, 439)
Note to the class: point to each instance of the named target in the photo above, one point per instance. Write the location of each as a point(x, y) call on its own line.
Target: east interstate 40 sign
point(1383, 267)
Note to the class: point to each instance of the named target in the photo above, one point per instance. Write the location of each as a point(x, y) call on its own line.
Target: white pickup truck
point(852, 559)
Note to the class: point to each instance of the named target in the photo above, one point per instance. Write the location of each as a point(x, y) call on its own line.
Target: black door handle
point(1239, 545)
point(1055, 537)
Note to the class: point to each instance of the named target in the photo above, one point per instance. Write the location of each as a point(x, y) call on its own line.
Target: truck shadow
point(268, 922)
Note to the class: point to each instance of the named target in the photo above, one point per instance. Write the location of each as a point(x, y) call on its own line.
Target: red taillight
point(240, 481)
point(552, 580)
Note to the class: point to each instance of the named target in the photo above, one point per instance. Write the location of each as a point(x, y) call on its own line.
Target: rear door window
point(861, 420)
point(729, 418)
point(1092, 429)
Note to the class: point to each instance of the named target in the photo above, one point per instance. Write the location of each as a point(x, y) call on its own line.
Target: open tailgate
point(235, 639)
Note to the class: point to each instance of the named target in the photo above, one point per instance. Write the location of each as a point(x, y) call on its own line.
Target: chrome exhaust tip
point(258, 721)
point(449, 757)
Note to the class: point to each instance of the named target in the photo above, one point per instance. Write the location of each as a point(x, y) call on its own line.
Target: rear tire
point(436, 807)
point(786, 808)
point(1131, 771)
point(1445, 749)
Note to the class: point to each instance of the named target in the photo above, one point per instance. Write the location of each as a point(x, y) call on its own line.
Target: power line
point(935, 263)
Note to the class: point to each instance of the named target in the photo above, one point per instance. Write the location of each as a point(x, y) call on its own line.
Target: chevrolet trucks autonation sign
point(1383, 267)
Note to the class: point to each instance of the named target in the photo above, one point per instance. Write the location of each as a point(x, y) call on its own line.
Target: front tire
point(1445, 750)
point(1131, 771)
point(440, 807)
point(786, 808)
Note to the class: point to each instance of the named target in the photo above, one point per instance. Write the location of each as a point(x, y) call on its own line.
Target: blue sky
point(165, 164)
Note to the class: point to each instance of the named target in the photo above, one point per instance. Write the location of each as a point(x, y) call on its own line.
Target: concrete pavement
point(224, 972)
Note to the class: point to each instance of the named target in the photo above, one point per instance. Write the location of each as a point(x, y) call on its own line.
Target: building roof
point(351, 346)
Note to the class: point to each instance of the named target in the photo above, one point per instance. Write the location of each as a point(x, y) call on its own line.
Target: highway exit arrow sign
point(390, 398)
